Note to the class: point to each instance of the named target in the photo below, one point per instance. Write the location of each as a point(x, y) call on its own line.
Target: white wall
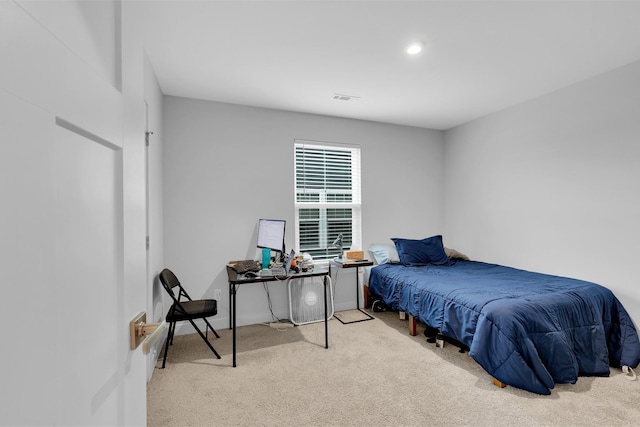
point(226, 166)
point(155, 254)
point(552, 185)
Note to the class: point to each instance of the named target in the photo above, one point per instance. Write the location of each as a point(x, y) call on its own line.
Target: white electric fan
point(306, 300)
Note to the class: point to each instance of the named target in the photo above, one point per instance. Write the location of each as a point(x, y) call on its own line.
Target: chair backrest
point(169, 281)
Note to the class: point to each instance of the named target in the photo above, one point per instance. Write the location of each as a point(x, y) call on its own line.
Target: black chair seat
point(191, 309)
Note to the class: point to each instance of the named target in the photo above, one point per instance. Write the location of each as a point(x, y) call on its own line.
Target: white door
point(64, 204)
point(61, 257)
point(29, 306)
point(88, 278)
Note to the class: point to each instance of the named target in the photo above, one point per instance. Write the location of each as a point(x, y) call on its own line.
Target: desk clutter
point(295, 264)
point(354, 255)
point(303, 263)
point(245, 266)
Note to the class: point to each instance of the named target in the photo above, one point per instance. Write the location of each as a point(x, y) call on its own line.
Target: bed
point(528, 330)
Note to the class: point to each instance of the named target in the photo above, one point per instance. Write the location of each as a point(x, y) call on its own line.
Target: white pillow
point(383, 254)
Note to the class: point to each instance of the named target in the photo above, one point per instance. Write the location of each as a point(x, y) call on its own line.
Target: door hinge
point(147, 242)
point(146, 137)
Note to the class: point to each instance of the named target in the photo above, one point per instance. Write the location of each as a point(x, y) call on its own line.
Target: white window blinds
point(327, 197)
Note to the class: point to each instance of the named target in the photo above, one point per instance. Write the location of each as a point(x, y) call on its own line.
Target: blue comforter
point(528, 330)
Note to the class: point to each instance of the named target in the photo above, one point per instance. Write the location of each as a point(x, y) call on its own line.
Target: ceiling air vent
point(342, 97)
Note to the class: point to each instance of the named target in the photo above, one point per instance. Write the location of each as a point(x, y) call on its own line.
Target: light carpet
point(372, 374)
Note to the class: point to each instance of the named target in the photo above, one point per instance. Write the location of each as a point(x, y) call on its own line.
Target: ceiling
point(479, 56)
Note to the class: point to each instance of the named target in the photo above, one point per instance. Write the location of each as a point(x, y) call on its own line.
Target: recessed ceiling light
point(415, 48)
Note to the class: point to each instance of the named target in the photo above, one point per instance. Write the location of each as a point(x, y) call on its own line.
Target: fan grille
point(306, 301)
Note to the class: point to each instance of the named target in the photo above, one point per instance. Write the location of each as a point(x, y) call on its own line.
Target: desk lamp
point(338, 244)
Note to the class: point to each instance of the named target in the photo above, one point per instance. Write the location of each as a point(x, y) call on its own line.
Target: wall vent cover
point(343, 97)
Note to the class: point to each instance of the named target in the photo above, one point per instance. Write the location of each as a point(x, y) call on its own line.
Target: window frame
point(325, 236)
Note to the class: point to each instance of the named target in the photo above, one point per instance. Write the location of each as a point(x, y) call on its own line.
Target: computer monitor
point(271, 234)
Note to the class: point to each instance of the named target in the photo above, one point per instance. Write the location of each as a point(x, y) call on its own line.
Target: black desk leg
point(369, 317)
point(233, 290)
point(358, 288)
point(326, 320)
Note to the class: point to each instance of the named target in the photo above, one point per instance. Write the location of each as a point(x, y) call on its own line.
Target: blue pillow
point(421, 252)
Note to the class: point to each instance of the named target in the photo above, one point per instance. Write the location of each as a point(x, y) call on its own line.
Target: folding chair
point(186, 309)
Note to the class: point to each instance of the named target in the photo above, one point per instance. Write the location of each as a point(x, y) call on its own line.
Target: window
point(327, 197)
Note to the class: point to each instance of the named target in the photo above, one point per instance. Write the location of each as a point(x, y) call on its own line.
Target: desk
point(234, 284)
point(353, 264)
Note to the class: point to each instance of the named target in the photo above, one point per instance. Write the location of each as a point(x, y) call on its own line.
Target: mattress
point(526, 329)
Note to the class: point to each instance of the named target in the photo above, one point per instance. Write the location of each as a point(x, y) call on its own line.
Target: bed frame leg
point(366, 296)
point(498, 383)
point(413, 330)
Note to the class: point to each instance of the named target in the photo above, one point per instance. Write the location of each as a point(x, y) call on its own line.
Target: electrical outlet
point(217, 294)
